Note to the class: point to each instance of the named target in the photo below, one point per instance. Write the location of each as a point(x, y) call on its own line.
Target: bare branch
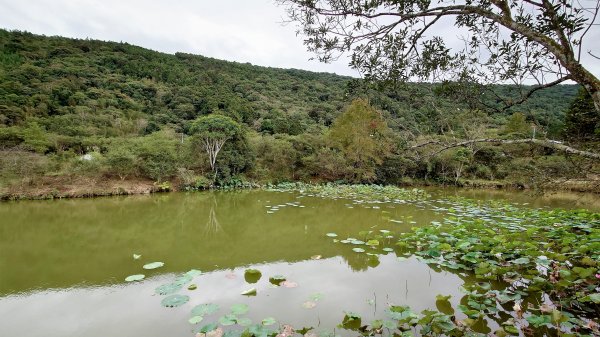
point(553, 144)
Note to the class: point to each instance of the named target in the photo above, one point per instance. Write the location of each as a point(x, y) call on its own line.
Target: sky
point(234, 30)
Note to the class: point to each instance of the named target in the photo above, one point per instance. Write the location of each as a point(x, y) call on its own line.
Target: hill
point(61, 98)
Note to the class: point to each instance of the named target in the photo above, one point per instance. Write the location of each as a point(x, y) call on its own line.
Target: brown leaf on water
point(518, 310)
point(288, 284)
point(287, 331)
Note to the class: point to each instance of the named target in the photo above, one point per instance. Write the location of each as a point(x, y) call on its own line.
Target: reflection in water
point(212, 225)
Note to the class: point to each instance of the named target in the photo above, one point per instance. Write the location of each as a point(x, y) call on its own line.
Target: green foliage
point(517, 126)
point(362, 134)
point(582, 121)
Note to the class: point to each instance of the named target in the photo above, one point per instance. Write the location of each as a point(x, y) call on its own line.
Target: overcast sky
point(234, 30)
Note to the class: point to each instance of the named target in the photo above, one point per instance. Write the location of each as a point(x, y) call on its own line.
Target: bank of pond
point(298, 259)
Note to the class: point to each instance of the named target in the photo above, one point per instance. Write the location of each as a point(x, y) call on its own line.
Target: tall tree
point(581, 121)
point(214, 130)
point(504, 40)
point(362, 135)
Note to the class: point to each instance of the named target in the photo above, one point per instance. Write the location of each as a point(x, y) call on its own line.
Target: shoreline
point(80, 187)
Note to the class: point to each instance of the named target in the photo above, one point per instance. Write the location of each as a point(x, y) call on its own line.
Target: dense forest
point(89, 111)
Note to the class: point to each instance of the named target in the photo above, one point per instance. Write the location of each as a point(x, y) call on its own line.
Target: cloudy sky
point(235, 30)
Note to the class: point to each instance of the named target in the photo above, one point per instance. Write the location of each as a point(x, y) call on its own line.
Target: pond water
point(63, 262)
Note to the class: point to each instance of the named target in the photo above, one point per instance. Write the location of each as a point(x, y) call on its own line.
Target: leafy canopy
point(519, 41)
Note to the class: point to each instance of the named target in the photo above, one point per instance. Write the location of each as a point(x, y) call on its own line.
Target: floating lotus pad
point(331, 235)
point(239, 309)
point(167, 289)
point(195, 319)
point(136, 277)
point(268, 321)
point(153, 265)
point(228, 320)
point(252, 275)
point(205, 309)
point(249, 292)
point(173, 301)
point(358, 250)
point(277, 279)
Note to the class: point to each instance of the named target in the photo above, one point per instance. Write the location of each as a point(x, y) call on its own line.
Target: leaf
point(168, 289)
point(193, 273)
point(316, 257)
point(268, 321)
point(228, 320)
point(239, 309)
point(173, 301)
point(522, 260)
point(387, 249)
point(205, 309)
point(249, 292)
point(208, 328)
point(331, 235)
point(372, 243)
point(244, 321)
point(192, 287)
point(136, 277)
point(136, 256)
point(289, 284)
point(195, 319)
point(252, 275)
point(358, 250)
point(277, 279)
point(153, 265)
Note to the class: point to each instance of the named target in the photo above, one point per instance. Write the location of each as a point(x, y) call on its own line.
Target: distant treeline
point(131, 109)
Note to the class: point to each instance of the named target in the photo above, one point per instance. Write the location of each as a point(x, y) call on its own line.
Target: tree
point(504, 40)
point(362, 135)
point(214, 130)
point(581, 121)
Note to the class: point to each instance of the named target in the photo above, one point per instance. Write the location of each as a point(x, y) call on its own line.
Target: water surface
point(63, 262)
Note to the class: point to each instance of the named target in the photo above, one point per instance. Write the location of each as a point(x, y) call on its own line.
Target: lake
point(63, 263)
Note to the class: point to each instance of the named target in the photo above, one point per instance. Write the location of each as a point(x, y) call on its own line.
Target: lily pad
point(331, 235)
point(205, 309)
point(195, 319)
point(372, 243)
point(358, 250)
point(192, 287)
point(153, 265)
point(136, 277)
point(387, 249)
point(239, 309)
point(136, 256)
point(249, 292)
point(252, 275)
point(244, 321)
point(173, 301)
point(277, 279)
point(208, 328)
point(228, 320)
point(168, 289)
point(193, 273)
point(268, 321)
point(316, 297)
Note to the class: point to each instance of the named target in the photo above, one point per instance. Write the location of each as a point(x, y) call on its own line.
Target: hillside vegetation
point(92, 111)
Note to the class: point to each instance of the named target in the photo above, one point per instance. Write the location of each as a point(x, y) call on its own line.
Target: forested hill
point(85, 88)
